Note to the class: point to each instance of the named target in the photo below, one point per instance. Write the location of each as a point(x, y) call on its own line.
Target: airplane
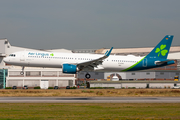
point(71, 63)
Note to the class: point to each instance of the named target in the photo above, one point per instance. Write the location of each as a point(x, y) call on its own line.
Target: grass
point(91, 92)
point(108, 111)
point(90, 111)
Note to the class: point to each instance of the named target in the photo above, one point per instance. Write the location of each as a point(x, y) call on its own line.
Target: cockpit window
point(12, 55)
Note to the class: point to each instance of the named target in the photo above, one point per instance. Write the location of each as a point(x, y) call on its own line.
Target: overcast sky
point(88, 24)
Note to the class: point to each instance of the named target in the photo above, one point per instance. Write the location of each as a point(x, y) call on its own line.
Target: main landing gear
point(88, 75)
point(22, 72)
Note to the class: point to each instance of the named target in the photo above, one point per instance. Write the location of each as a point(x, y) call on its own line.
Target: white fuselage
point(56, 60)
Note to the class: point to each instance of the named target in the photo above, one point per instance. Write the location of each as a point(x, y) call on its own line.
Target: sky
point(89, 24)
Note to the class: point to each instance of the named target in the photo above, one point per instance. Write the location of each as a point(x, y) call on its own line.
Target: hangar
point(49, 77)
point(134, 84)
point(133, 75)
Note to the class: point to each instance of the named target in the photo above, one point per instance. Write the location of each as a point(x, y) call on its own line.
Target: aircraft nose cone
point(5, 59)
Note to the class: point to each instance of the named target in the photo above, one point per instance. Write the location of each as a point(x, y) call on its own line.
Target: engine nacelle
point(69, 68)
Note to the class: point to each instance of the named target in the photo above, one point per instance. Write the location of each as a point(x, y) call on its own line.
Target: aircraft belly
point(16, 62)
point(116, 66)
point(44, 63)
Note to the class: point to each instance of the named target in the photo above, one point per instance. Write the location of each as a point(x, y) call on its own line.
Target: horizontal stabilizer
point(168, 62)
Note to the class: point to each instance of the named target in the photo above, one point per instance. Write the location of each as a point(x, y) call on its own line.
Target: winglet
point(108, 52)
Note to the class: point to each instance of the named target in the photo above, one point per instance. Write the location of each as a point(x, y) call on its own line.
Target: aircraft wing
point(93, 63)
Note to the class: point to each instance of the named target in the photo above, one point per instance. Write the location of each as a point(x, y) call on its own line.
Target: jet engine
point(69, 68)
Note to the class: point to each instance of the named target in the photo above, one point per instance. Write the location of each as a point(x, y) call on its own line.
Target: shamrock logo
point(161, 50)
point(52, 54)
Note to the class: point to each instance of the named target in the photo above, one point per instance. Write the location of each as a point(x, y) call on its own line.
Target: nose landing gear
point(22, 72)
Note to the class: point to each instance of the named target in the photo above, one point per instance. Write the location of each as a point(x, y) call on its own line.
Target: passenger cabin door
point(22, 57)
point(145, 62)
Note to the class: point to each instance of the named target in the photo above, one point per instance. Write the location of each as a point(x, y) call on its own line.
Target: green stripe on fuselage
point(132, 65)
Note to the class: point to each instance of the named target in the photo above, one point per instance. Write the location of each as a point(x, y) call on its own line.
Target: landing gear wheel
point(22, 73)
point(88, 76)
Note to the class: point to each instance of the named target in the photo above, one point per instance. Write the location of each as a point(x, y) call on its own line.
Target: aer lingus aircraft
point(71, 63)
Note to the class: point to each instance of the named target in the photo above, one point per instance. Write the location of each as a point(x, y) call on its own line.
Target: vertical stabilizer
point(158, 54)
point(162, 49)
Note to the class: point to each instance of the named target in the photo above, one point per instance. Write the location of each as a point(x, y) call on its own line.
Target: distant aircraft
point(71, 63)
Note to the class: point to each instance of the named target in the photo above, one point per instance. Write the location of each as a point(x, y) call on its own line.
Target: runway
point(89, 99)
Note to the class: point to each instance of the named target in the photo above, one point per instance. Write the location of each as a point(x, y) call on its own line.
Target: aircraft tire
point(88, 76)
point(22, 73)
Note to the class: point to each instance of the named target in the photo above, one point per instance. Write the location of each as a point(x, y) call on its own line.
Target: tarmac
point(89, 99)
